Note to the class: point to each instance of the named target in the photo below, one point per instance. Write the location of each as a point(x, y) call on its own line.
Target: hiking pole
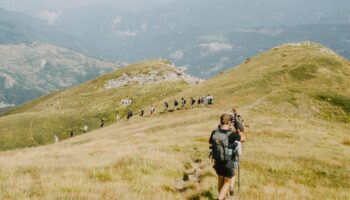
point(239, 185)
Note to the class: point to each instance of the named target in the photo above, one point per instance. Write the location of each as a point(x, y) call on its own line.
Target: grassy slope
point(293, 151)
point(36, 122)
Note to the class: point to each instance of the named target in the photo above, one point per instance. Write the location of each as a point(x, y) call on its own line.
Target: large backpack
point(221, 149)
point(237, 122)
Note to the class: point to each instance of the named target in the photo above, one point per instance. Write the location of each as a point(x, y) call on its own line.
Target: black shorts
point(224, 168)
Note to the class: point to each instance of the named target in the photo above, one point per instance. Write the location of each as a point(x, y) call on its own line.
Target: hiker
point(56, 139)
point(117, 119)
point(152, 109)
point(71, 133)
point(237, 120)
point(223, 143)
point(166, 106)
point(210, 100)
point(192, 102)
point(183, 102)
point(237, 123)
point(85, 129)
point(202, 100)
point(102, 123)
point(129, 115)
point(142, 112)
point(176, 103)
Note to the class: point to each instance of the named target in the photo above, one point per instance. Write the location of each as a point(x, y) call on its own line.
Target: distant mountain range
point(31, 70)
point(205, 37)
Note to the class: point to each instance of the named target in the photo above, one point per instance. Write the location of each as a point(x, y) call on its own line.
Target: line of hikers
point(200, 101)
point(225, 145)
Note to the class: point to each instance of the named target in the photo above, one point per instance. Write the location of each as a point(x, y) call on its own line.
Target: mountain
point(31, 70)
point(182, 31)
point(68, 110)
point(205, 43)
point(294, 99)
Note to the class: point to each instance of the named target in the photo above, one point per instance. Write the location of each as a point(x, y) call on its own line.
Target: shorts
point(224, 168)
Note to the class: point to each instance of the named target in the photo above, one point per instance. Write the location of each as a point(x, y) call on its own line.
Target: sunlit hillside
point(37, 122)
point(295, 102)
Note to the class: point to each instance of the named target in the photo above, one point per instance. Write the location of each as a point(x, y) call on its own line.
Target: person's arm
point(211, 137)
point(241, 134)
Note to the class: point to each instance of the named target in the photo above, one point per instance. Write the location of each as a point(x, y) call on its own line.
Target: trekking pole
point(239, 185)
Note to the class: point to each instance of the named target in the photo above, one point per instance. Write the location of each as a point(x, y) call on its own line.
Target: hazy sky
point(34, 6)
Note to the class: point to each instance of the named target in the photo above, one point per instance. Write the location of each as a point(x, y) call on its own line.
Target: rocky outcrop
point(152, 77)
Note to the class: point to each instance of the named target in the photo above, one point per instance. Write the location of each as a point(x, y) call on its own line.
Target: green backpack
point(220, 147)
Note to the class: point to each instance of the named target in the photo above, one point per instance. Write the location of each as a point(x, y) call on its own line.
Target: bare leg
point(225, 188)
point(232, 185)
point(220, 182)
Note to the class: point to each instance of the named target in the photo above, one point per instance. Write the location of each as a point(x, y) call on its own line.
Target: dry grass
point(141, 159)
point(292, 152)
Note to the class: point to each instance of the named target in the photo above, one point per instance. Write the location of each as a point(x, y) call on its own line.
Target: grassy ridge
point(293, 150)
point(36, 123)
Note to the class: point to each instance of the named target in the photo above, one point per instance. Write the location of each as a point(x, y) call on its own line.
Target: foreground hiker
point(223, 143)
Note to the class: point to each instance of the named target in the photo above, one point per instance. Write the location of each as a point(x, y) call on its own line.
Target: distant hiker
point(202, 100)
point(85, 129)
point(183, 102)
point(223, 145)
point(71, 133)
point(129, 114)
point(237, 123)
point(176, 103)
point(56, 139)
point(192, 101)
point(117, 119)
point(166, 106)
point(142, 112)
point(152, 109)
point(102, 123)
point(210, 100)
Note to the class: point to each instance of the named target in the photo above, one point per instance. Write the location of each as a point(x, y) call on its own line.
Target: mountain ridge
point(288, 155)
point(33, 69)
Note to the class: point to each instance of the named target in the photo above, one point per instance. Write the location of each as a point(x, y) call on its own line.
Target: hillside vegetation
point(294, 99)
point(36, 123)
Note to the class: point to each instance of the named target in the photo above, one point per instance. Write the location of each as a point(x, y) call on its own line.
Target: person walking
point(176, 103)
point(192, 102)
point(223, 141)
point(183, 103)
point(117, 119)
point(102, 123)
point(152, 109)
point(85, 129)
point(129, 115)
point(166, 106)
